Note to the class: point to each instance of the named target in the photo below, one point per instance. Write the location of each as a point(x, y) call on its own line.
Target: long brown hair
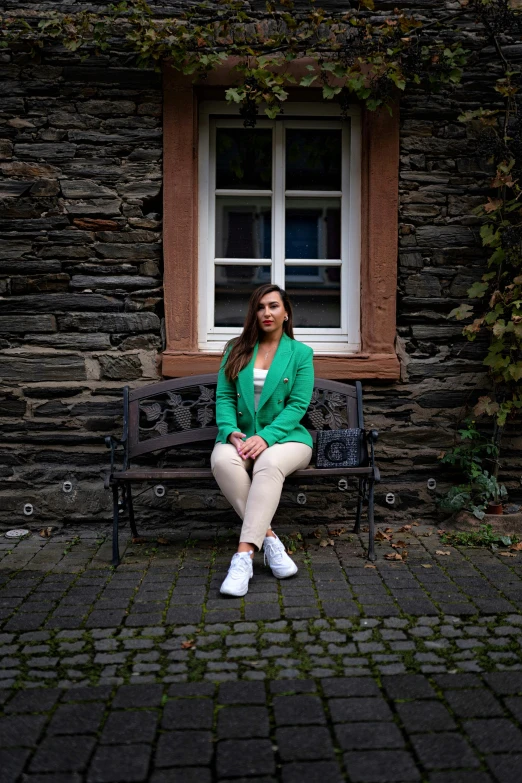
point(243, 346)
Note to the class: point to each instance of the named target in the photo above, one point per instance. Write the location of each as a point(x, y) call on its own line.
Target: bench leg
point(132, 523)
point(115, 520)
point(371, 523)
point(360, 501)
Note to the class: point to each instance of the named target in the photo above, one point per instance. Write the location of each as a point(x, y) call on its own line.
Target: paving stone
point(114, 763)
point(77, 718)
point(242, 693)
point(188, 714)
point(146, 695)
point(359, 709)
point(38, 700)
point(343, 686)
point(21, 730)
point(408, 686)
point(242, 722)
point(444, 751)
point(505, 767)
point(473, 703)
point(362, 736)
point(425, 716)
point(62, 754)
point(128, 727)
point(312, 772)
point(381, 766)
point(183, 775)
point(304, 744)
point(12, 762)
point(298, 710)
point(245, 757)
point(184, 748)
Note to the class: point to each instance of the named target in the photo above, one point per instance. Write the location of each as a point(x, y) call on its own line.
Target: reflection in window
point(243, 227)
point(233, 286)
point(315, 292)
point(313, 159)
point(313, 228)
point(244, 158)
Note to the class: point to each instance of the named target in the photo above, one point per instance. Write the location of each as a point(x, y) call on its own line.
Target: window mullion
point(278, 207)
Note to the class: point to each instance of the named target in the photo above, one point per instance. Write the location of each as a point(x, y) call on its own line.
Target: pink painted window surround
point(379, 229)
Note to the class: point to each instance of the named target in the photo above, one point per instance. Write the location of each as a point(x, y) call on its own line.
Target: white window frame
point(344, 340)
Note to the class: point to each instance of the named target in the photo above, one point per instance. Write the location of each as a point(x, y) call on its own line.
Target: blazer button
point(285, 380)
point(280, 400)
point(239, 395)
point(240, 413)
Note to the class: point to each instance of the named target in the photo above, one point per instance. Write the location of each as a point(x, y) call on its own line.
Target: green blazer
point(284, 400)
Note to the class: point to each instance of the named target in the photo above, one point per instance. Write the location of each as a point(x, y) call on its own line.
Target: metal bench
point(181, 412)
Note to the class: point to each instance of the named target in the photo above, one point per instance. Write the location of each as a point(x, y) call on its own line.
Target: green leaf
point(306, 81)
point(461, 312)
point(477, 290)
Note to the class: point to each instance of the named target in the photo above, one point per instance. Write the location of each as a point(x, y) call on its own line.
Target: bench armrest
point(371, 438)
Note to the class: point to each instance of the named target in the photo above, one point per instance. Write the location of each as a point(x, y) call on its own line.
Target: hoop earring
point(286, 318)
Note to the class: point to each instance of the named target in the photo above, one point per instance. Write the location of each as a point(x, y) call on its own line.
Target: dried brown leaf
point(162, 540)
point(388, 530)
point(139, 540)
point(369, 565)
point(400, 544)
point(426, 565)
point(393, 556)
point(516, 547)
point(507, 554)
point(45, 532)
point(404, 529)
point(380, 536)
point(442, 552)
point(338, 531)
point(188, 644)
point(323, 542)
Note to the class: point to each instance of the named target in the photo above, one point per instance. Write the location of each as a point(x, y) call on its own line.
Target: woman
point(264, 388)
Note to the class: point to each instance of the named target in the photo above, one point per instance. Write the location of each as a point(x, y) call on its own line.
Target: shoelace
point(240, 563)
point(275, 553)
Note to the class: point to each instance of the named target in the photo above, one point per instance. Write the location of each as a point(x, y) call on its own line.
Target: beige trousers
point(256, 499)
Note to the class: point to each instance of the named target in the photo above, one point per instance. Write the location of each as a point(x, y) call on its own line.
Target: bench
point(181, 412)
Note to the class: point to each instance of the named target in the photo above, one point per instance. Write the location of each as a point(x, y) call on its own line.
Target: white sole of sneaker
point(292, 573)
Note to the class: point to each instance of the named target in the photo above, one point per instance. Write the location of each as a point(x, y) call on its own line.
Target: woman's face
point(271, 313)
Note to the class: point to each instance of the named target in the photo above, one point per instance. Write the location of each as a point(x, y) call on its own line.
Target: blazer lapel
point(277, 368)
point(245, 381)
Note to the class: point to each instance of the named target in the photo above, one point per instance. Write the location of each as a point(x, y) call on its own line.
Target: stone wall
point(81, 300)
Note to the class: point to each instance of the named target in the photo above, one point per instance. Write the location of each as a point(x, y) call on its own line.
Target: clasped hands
point(249, 448)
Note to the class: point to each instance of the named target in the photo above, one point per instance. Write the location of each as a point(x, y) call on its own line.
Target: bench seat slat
point(194, 473)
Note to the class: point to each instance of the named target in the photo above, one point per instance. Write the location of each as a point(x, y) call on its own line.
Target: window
point(280, 203)
point(190, 347)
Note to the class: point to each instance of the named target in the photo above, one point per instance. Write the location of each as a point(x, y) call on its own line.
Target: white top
point(259, 382)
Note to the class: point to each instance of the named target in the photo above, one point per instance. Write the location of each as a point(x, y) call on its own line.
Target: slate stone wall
point(81, 302)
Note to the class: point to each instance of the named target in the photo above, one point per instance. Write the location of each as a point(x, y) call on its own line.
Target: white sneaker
point(239, 574)
point(276, 557)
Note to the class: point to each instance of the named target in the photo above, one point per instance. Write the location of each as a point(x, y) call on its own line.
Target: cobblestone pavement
point(406, 671)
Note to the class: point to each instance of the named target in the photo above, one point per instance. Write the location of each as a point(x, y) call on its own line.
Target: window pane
point(244, 158)
point(313, 159)
point(315, 292)
point(234, 284)
point(313, 228)
point(243, 227)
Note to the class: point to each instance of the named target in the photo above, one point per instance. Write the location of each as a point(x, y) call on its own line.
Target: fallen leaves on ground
point(442, 552)
point(317, 533)
point(506, 554)
point(428, 533)
point(426, 565)
point(516, 547)
point(162, 540)
point(326, 542)
point(369, 565)
point(45, 532)
point(393, 556)
point(188, 644)
point(404, 529)
point(400, 544)
point(380, 536)
point(338, 531)
point(139, 540)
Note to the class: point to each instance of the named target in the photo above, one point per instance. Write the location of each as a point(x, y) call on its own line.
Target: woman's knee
point(224, 459)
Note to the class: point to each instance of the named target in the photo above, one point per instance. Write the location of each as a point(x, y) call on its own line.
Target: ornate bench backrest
point(181, 411)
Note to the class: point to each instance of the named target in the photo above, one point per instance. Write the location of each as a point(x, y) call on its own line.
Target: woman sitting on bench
point(265, 385)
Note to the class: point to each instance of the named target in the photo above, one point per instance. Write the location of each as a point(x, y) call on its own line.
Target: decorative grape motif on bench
point(185, 409)
point(327, 411)
point(193, 407)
